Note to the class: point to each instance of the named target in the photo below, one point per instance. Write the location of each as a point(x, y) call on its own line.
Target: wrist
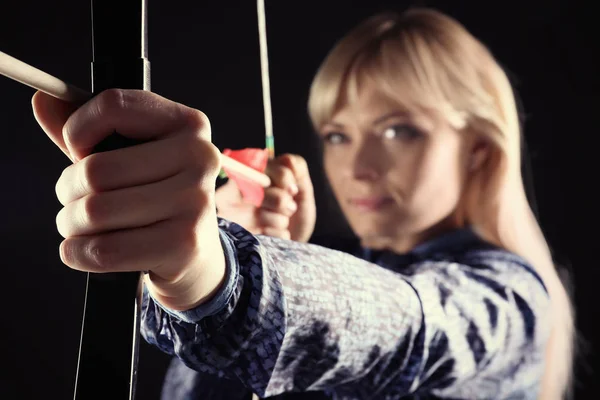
point(219, 301)
point(198, 283)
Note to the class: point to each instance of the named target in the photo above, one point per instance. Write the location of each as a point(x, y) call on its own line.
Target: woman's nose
point(368, 162)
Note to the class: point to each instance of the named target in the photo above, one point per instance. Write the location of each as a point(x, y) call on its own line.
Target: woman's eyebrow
point(334, 125)
point(386, 117)
point(378, 121)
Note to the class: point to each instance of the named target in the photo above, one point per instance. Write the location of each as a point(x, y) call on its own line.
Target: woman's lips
point(370, 204)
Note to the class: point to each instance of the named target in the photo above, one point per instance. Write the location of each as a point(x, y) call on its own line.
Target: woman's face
point(398, 177)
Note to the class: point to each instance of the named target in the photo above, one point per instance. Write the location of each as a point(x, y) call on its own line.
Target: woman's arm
point(298, 317)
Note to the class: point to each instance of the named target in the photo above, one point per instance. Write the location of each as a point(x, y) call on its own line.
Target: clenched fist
point(288, 209)
point(149, 207)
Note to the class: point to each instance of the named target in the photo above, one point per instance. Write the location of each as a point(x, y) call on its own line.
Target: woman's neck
point(406, 242)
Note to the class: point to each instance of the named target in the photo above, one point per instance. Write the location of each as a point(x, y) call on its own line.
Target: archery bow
point(110, 332)
point(108, 354)
point(108, 351)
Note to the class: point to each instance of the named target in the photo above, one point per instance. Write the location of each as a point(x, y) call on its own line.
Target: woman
point(424, 85)
point(452, 292)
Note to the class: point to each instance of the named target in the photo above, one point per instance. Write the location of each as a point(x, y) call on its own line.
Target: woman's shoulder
point(473, 254)
point(487, 255)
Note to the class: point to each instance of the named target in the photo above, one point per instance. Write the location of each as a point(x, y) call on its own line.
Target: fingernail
point(293, 189)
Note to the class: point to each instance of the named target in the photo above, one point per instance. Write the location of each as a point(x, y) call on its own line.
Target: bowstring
point(264, 73)
point(265, 81)
point(266, 86)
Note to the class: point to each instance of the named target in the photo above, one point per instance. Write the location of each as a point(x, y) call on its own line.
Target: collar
point(451, 241)
point(447, 241)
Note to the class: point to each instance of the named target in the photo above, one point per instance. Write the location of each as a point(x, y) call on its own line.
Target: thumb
point(52, 114)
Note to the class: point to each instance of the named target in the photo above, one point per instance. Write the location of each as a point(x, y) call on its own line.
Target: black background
point(205, 54)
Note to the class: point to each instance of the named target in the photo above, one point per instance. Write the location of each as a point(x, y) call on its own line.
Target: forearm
point(301, 317)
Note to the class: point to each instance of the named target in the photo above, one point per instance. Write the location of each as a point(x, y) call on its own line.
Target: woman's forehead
point(371, 105)
point(365, 102)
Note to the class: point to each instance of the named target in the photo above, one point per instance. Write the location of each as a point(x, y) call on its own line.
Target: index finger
point(136, 114)
point(51, 114)
point(281, 176)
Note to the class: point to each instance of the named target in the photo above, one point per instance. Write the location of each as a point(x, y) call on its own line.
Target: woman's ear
point(478, 155)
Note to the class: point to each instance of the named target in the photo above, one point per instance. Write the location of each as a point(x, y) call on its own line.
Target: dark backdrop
point(205, 54)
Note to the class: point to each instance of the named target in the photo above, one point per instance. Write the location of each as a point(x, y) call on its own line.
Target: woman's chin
point(380, 224)
point(377, 233)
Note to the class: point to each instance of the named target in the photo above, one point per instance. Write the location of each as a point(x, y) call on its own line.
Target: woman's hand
point(149, 207)
point(288, 209)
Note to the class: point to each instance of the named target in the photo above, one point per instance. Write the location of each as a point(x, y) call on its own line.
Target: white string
point(264, 69)
point(266, 87)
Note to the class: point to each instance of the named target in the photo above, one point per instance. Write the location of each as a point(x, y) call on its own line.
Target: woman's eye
point(335, 138)
point(401, 132)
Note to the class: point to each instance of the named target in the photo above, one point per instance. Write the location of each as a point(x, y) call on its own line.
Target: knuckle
point(93, 172)
point(287, 158)
point(204, 157)
point(279, 200)
point(301, 164)
point(298, 162)
point(59, 188)
point(94, 209)
point(199, 122)
point(111, 100)
point(61, 226)
point(276, 173)
point(212, 156)
point(287, 176)
point(67, 131)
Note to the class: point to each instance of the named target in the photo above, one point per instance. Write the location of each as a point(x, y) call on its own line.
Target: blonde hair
point(426, 60)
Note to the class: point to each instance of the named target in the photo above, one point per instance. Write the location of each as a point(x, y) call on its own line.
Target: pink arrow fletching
point(256, 159)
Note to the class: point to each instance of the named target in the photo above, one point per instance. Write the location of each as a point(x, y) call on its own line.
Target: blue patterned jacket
point(456, 318)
